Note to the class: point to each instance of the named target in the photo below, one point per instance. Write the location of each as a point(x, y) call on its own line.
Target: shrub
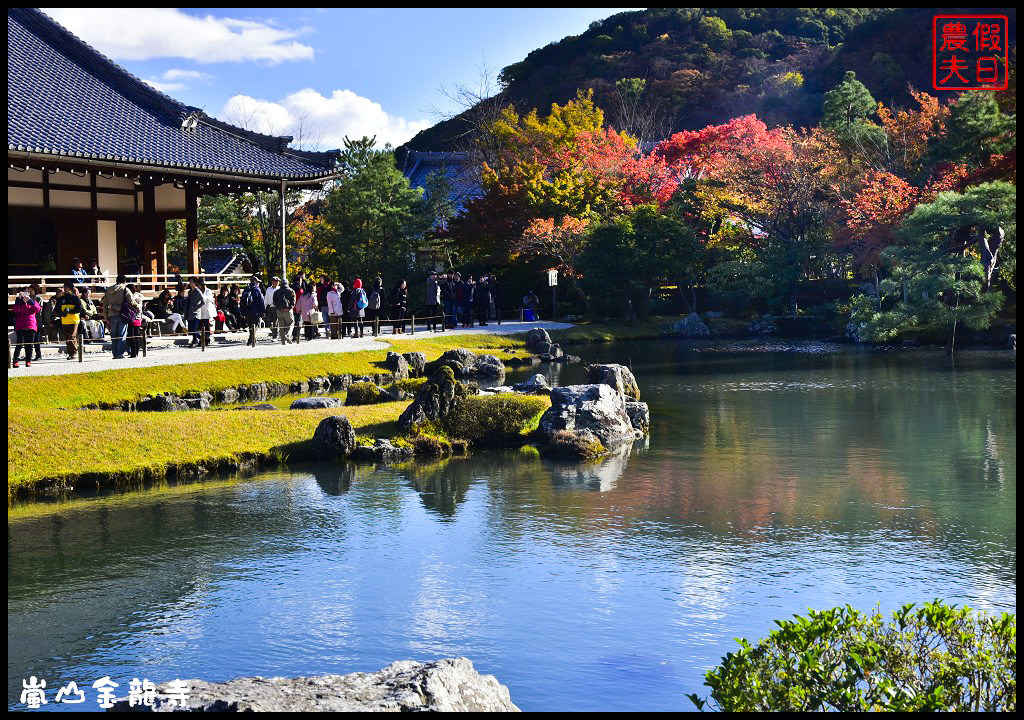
point(495, 419)
point(935, 657)
point(364, 393)
point(411, 385)
point(430, 446)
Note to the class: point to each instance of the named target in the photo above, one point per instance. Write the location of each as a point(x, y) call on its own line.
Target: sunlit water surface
point(776, 478)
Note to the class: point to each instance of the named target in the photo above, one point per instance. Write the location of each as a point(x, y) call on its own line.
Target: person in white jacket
point(207, 310)
point(268, 300)
point(335, 309)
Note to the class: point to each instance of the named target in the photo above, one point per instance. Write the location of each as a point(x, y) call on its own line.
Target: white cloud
point(178, 74)
point(146, 33)
point(164, 87)
point(324, 121)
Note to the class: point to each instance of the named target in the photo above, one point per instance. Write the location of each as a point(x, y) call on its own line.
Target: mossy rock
point(568, 445)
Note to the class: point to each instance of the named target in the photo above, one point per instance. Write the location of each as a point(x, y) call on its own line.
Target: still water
point(776, 478)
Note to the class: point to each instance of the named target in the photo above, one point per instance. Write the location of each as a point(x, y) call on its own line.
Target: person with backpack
point(252, 307)
point(284, 301)
point(357, 311)
point(322, 289)
point(26, 311)
point(374, 300)
point(113, 298)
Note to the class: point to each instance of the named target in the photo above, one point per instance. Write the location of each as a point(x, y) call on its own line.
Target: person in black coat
point(399, 306)
point(482, 300)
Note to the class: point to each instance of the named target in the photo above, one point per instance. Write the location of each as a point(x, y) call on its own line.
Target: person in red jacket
point(25, 325)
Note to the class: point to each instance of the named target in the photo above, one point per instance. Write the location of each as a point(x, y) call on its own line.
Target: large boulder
point(619, 377)
point(198, 401)
point(315, 403)
point(382, 451)
point(691, 327)
point(398, 365)
point(537, 385)
point(435, 399)
point(417, 362)
point(465, 364)
point(537, 338)
point(449, 685)
point(486, 366)
point(334, 438)
point(639, 415)
point(597, 408)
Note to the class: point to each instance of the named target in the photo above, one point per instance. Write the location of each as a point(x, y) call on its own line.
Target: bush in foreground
point(935, 657)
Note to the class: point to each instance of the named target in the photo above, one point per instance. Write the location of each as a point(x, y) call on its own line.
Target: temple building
point(98, 160)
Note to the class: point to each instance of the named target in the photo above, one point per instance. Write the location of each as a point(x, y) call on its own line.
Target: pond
point(776, 478)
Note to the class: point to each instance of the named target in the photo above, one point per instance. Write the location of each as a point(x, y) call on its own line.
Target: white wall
point(106, 254)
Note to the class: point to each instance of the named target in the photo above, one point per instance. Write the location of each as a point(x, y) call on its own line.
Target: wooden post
point(412, 324)
point(145, 332)
point(192, 229)
point(202, 338)
point(81, 347)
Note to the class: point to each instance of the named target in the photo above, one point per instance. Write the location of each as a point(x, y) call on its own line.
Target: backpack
point(374, 301)
point(283, 299)
point(128, 313)
point(361, 301)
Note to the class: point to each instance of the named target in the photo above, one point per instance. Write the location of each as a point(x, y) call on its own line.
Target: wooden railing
point(149, 284)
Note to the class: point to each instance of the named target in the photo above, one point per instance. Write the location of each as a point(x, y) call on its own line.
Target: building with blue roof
point(98, 160)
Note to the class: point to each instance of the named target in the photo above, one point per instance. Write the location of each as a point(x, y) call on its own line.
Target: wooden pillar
point(192, 229)
point(153, 235)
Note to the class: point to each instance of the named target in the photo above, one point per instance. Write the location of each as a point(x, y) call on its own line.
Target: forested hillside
point(686, 68)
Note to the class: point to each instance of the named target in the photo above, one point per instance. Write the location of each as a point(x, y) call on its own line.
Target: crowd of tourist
point(325, 308)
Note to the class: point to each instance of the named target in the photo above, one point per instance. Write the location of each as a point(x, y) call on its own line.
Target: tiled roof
point(224, 259)
point(462, 173)
point(65, 98)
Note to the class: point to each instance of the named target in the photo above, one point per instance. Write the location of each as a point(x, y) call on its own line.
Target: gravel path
point(163, 352)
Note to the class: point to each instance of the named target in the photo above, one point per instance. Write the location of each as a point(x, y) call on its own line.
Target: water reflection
point(855, 478)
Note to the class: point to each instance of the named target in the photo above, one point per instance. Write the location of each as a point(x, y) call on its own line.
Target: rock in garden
point(382, 451)
point(639, 415)
point(228, 395)
point(417, 362)
point(537, 385)
point(448, 685)
point(499, 390)
point(398, 365)
point(569, 445)
point(319, 384)
point(763, 325)
point(315, 403)
point(261, 406)
point(198, 401)
point(434, 400)
point(597, 408)
point(1011, 342)
point(165, 402)
point(486, 366)
point(334, 438)
point(536, 338)
point(619, 377)
point(691, 327)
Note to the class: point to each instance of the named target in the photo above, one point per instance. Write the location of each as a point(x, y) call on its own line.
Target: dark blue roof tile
point(65, 98)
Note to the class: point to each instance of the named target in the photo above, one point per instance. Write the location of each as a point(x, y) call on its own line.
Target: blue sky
point(336, 71)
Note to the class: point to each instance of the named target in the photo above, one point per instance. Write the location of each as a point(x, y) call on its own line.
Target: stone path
point(163, 351)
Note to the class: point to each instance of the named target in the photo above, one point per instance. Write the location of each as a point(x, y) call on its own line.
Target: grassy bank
point(53, 445)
